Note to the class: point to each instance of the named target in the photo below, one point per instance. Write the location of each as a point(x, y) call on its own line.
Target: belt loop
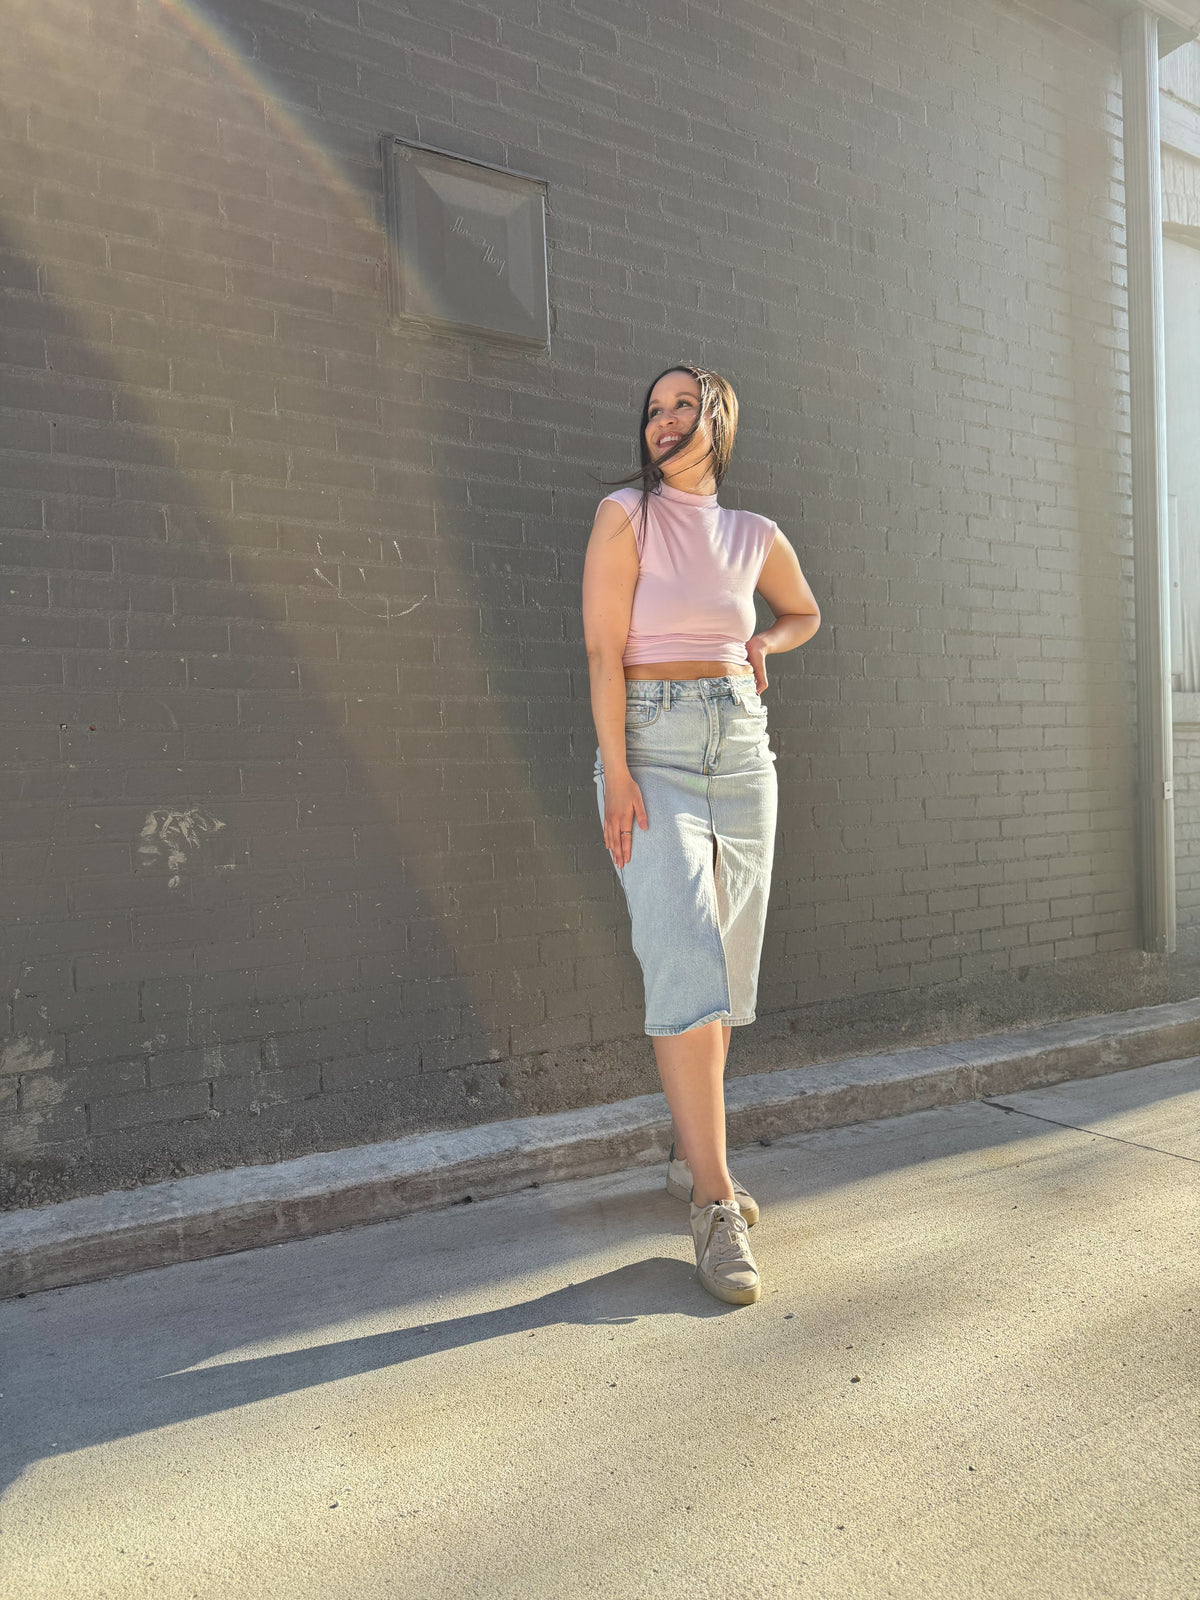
point(666, 694)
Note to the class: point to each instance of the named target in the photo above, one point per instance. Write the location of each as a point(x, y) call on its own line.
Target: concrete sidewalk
point(82, 1240)
point(973, 1373)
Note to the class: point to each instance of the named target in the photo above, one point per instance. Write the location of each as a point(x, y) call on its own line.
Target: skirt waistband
point(731, 686)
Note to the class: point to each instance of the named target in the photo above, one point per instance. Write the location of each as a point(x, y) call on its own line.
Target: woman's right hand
point(622, 805)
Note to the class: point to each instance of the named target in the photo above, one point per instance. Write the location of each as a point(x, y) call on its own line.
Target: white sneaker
point(724, 1264)
point(679, 1183)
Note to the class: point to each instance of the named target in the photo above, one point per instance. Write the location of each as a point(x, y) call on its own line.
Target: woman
point(685, 777)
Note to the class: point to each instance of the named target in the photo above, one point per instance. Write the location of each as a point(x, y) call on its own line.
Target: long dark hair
point(718, 403)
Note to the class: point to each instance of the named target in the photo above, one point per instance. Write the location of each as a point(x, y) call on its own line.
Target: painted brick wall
point(1187, 825)
point(299, 843)
point(1180, 103)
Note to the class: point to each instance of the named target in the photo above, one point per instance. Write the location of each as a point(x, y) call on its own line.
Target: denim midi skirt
point(698, 878)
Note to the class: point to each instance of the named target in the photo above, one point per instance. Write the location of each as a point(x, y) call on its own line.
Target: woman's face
point(674, 411)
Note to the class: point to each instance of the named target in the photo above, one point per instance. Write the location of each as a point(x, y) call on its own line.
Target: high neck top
point(684, 497)
point(698, 564)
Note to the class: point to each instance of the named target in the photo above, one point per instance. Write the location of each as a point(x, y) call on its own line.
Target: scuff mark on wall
point(26, 1070)
point(386, 614)
point(41, 1092)
point(380, 616)
point(175, 833)
point(23, 1055)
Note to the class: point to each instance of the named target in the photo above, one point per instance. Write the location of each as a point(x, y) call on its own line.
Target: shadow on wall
point(277, 779)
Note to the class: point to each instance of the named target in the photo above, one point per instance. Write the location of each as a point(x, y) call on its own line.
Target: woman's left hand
point(756, 653)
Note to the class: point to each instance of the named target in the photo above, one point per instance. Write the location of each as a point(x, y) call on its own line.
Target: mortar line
point(1135, 1144)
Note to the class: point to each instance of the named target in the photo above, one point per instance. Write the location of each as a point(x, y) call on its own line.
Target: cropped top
point(698, 564)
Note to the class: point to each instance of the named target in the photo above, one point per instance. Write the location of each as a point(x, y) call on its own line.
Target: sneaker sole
point(680, 1193)
point(732, 1297)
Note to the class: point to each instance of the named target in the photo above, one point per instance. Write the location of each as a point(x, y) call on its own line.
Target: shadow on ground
point(70, 1386)
point(135, 1402)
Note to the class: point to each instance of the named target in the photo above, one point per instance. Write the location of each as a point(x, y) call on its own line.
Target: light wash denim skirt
point(699, 876)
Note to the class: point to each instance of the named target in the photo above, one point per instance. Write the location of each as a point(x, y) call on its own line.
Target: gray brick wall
point(1187, 825)
point(1180, 106)
point(298, 840)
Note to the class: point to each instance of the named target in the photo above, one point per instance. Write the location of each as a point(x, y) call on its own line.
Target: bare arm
point(797, 616)
point(610, 574)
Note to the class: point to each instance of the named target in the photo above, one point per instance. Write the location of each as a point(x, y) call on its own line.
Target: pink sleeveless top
point(698, 566)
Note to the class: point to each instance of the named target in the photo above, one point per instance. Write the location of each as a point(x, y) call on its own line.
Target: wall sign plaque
point(466, 244)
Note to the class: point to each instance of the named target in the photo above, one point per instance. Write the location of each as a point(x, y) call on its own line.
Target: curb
point(79, 1241)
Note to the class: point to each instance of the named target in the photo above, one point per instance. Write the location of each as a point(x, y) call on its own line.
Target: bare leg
point(680, 1147)
point(691, 1066)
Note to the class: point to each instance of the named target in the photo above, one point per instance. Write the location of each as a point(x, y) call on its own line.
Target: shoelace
point(727, 1239)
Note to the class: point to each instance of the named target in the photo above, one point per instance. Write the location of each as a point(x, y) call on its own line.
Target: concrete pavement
point(973, 1372)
